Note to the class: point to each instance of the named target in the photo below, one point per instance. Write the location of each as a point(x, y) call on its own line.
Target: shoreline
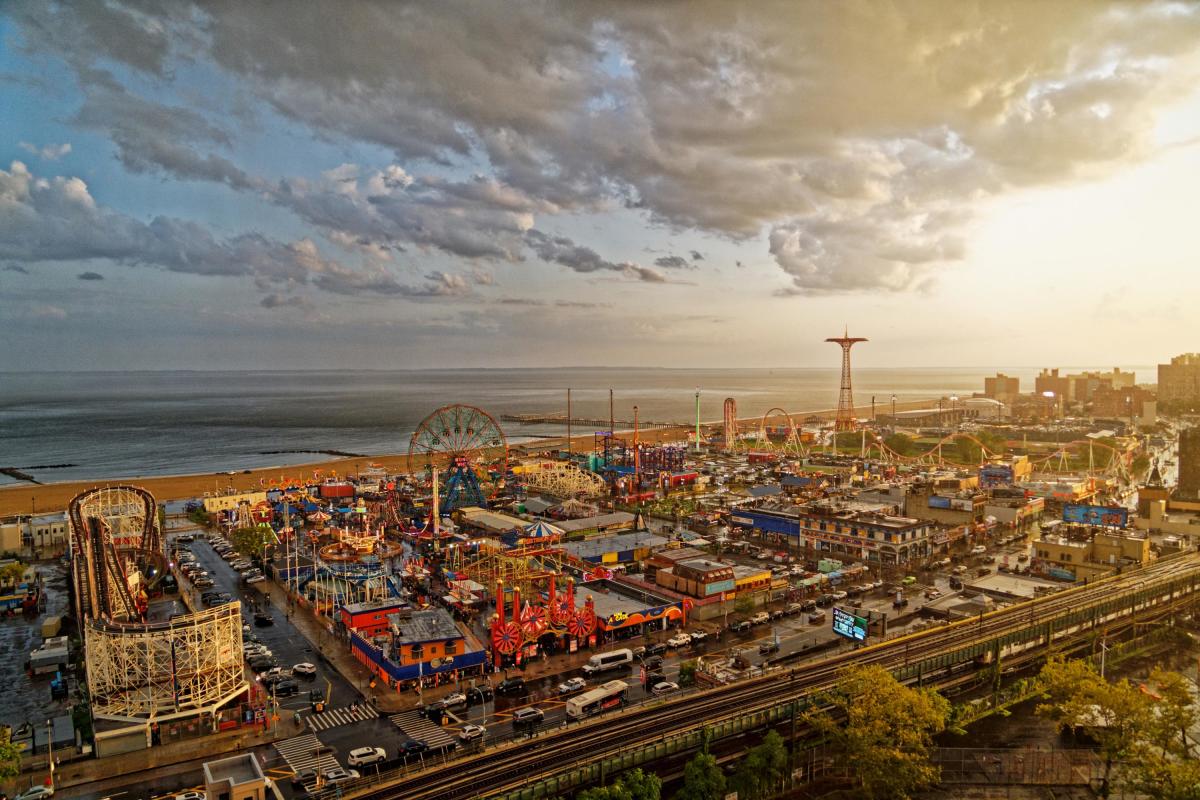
point(49, 498)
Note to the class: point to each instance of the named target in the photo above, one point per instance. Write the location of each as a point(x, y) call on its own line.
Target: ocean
point(130, 424)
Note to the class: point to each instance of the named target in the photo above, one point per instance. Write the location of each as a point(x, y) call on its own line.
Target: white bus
point(602, 662)
point(594, 701)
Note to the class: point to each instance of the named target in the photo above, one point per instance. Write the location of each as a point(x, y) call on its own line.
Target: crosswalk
point(306, 752)
point(417, 727)
point(339, 716)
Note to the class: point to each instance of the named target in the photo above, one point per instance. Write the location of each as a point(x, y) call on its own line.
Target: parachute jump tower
point(845, 411)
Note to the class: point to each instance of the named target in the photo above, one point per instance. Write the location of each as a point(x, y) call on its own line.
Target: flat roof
point(614, 601)
point(1015, 585)
point(373, 605)
point(426, 626)
point(616, 543)
point(599, 521)
point(237, 770)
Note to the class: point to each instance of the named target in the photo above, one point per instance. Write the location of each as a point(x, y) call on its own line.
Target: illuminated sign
point(849, 625)
point(1095, 515)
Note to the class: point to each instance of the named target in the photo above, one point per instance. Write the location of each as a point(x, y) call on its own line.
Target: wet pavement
point(27, 698)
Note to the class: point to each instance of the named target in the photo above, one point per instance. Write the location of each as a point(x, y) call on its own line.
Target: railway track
point(503, 768)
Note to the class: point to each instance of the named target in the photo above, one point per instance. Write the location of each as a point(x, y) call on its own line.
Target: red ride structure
point(845, 411)
point(529, 623)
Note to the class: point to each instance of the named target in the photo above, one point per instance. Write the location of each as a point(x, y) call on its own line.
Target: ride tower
point(845, 411)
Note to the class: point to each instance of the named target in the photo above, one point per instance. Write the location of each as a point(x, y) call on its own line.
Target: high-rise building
point(1189, 463)
point(1001, 387)
point(1048, 380)
point(1179, 381)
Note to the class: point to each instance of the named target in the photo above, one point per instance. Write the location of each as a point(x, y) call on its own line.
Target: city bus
point(594, 701)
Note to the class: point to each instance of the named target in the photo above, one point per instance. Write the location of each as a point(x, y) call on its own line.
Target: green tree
point(1140, 465)
point(11, 574)
point(702, 779)
point(642, 785)
point(1147, 731)
point(744, 604)
point(762, 770)
point(249, 542)
point(687, 673)
point(1113, 714)
point(900, 442)
point(10, 757)
point(883, 728)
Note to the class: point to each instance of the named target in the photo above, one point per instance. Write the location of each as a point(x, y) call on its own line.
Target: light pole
point(893, 411)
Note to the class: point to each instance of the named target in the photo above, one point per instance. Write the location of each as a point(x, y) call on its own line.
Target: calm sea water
point(126, 424)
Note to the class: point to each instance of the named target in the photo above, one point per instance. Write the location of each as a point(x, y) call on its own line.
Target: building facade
point(876, 538)
point(1179, 381)
point(1001, 387)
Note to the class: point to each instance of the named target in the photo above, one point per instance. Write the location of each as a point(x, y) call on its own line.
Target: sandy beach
point(53, 497)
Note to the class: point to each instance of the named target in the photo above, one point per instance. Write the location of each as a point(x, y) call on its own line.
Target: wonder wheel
point(458, 440)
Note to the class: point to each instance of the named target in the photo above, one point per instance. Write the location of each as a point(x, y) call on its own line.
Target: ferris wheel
point(458, 440)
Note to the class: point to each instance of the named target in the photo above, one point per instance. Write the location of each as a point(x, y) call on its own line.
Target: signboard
point(962, 504)
point(995, 475)
point(1095, 515)
point(741, 520)
point(849, 625)
point(938, 502)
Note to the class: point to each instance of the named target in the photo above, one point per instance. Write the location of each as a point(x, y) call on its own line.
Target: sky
point(238, 185)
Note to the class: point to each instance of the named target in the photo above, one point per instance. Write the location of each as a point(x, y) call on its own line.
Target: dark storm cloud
point(697, 255)
point(673, 262)
point(90, 276)
point(858, 136)
point(16, 268)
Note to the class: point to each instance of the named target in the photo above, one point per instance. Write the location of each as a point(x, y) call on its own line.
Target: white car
point(472, 732)
point(664, 687)
point(571, 685)
point(256, 579)
point(455, 699)
point(304, 668)
point(189, 796)
point(337, 775)
point(698, 636)
point(36, 793)
point(680, 640)
point(364, 756)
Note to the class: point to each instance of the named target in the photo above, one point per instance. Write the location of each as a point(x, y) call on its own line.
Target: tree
point(249, 542)
point(744, 604)
point(702, 779)
point(762, 770)
point(883, 728)
point(12, 573)
point(633, 785)
point(899, 442)
point(1146, 731)
point(1140, 465)
point(687, 673)
point(10, 757)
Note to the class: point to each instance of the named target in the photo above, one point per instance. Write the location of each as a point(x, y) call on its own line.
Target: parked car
point(679, 640)
point(511, 686)
point(761, 618)
point(664, 687)
point(36, 793)
point(362, 756)
point(652, 663)
point(766, 648)
point(777, 614)
point(413, 747)
point(454, 699)
point(741, 626)
point(263, 619)
point(571, 685)
point(478, 695)
point(286, 688)
point(472, 732)
point(657, 649)
point(816, 617)
point(978, 550)
point(698, 636)
point(304, 669)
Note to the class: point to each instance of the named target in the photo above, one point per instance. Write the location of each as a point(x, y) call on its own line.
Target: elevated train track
point(562, 760)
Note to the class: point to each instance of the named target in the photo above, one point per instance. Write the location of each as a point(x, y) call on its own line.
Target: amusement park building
point(39, 537)
point(623, 548)
point(958, 508)
point(1086, 553)
point(370, 618)
point(492, 522)
point(424, 636)
point(843, 532)
point(603, 523)
point(227, 502)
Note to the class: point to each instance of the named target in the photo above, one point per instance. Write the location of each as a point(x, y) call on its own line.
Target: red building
point(370, 618)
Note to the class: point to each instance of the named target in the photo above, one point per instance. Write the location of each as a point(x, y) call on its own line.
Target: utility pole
point(611, 418)
point(697, 419)
point(568, 423)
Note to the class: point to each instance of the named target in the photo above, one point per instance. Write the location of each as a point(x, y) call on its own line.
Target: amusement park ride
point(458, 440)
point(529, 624)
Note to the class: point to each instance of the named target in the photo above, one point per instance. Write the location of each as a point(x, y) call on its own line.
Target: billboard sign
point(995, 475)
point(962, 504)
point(849, 625)
point(1095, 515)
point(937, 501)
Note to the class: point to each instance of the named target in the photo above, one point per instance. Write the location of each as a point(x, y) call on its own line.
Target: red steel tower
point(730, 423)
point(845, 409)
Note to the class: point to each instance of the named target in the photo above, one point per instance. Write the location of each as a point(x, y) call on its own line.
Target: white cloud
point(50, 152)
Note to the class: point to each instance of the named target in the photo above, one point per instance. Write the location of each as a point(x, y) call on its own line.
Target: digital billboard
point(849, 625)
point(937, 501)
point(995, 475)
point(1095, 515)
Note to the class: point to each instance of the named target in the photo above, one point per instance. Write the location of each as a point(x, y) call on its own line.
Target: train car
point(595, 701)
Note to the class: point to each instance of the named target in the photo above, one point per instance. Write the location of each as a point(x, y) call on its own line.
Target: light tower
point(730, 423)
point(845, 409)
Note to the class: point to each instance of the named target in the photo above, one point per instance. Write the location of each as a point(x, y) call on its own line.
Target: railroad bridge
point(562, 760)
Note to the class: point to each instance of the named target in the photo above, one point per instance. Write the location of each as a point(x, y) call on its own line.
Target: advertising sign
point(962, 504)
point(1095, 515)
point(938, 502)
point(849, 625)
point(995, 475)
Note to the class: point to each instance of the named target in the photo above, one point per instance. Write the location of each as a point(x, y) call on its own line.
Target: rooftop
point(425, 626)
point(600, 521)
point(598, 546)
point(236, 770)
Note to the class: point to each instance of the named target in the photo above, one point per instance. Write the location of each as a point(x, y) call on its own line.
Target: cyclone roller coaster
point(141, 671)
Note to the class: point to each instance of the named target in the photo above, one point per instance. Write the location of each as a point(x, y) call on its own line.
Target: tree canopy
point(762, 770)
point(1144, 728)
point(633, 785)
point(702, 779)
point(882, 727)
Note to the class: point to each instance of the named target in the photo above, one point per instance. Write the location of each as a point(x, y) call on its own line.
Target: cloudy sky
point(238, 185)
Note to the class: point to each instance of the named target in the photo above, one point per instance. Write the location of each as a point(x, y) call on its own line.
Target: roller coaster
point(140, 671)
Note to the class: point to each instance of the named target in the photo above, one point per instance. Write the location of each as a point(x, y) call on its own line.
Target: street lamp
point(893, 409)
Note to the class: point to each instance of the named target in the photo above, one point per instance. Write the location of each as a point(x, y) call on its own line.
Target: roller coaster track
point(934, 453)
point(105, 581)
point(518, 764)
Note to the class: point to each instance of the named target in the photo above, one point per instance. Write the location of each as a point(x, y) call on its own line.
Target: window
point(449, 648)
